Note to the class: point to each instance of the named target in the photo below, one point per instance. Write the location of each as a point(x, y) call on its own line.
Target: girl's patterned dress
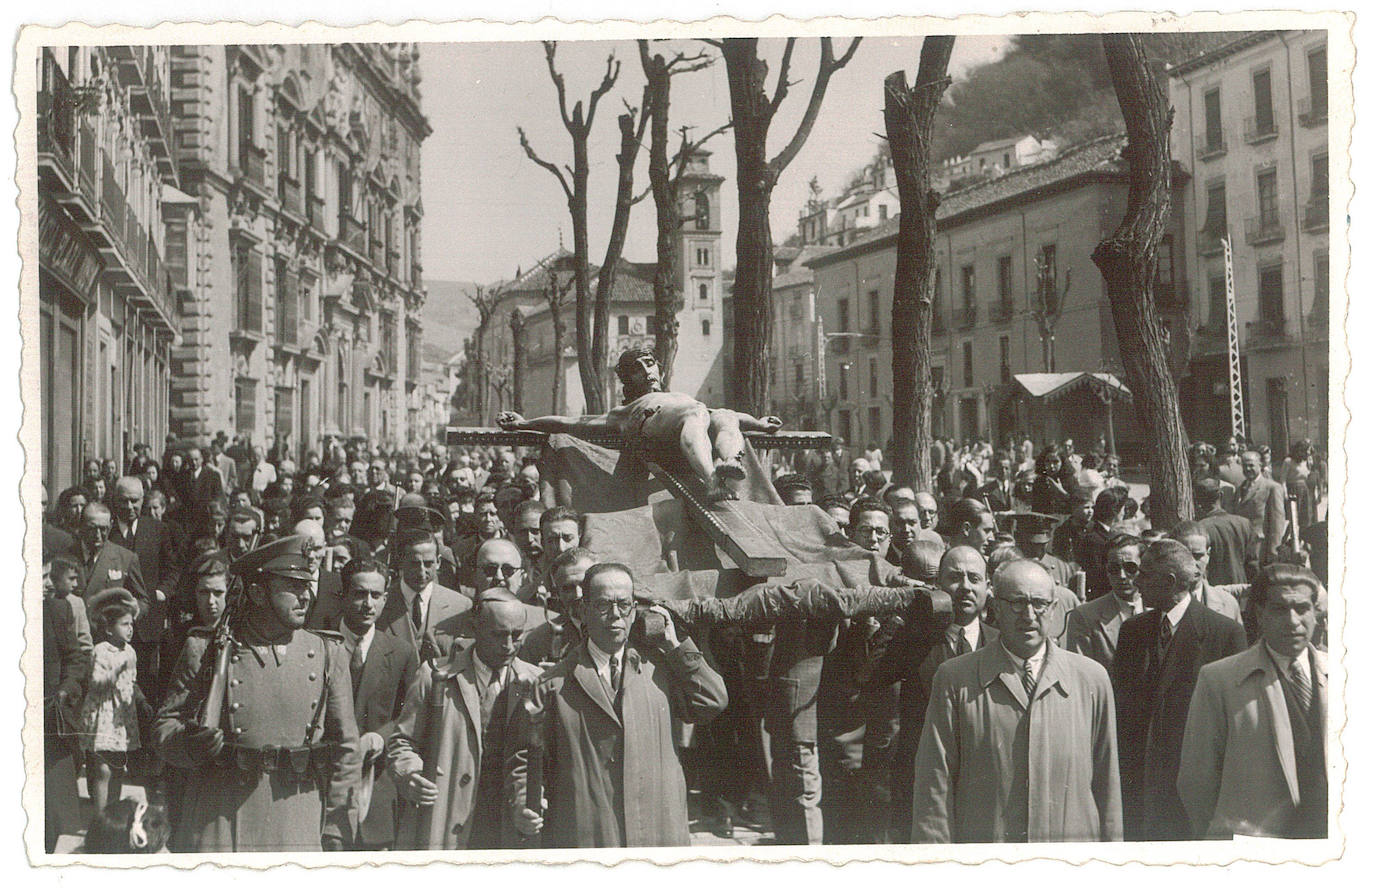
point(109, 716)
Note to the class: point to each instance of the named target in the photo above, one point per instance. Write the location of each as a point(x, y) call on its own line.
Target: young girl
point(109, 716)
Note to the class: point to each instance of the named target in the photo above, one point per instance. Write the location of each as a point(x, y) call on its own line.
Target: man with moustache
point(1253, 760)
point(611, 773)
point(280, 771)
point(454, 726)
point(382, 668)
point(1157, 660)
point(1093, 627)
point(1019, 741)
point(962, 575)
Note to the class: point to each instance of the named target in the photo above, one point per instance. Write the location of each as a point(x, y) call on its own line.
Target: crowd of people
point(414, 650)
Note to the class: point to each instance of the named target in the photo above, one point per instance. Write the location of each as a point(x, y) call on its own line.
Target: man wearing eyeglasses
point(1093, 627)
point(1019, 742)
point(611, 774)
point(422, 611)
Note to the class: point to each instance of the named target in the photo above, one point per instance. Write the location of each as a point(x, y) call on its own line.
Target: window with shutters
point(1267, 187)
point(968, 363)
point(247, 288)
point(1271, 293)
point(875, 315)
point(872, 377)
point(622, 325)
point(1211, 110)
point(1316, 80)
point(842, 315)
point(1264, 103)
point(1321, 287)
point(1004, 278)
point(287, 299)
point(968, 286)
point(245, 405)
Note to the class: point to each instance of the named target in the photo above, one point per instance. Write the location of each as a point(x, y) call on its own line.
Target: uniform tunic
point(273, 697)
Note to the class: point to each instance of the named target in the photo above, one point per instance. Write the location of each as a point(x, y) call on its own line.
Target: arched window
point(703, 211)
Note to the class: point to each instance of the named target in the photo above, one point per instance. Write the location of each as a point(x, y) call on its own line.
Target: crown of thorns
point(629, 358)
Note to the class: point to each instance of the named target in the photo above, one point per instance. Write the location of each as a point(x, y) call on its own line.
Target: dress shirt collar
point(1128, 608)
point(1285, 664)
point(363, 641)
point(602, 660)
point(132, 528)
point(1175, 614)
point(1036, 660)
point(485, 674)
point(971, 632)
point(410, 593)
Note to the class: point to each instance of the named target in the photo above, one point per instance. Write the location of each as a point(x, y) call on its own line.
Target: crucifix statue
point(656, 423)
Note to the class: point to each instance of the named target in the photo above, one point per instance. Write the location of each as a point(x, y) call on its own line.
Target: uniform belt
point(292, 760)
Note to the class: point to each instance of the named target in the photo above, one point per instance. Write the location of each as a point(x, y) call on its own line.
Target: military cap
point(284, 558)
point(1034, 527)
point(792, 482)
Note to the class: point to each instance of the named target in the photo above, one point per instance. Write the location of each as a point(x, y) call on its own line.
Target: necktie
point(355, 665)
point(489, 695)
point(417, 613)
point(1028, 679)
point(615, 675)
point(1302, 686)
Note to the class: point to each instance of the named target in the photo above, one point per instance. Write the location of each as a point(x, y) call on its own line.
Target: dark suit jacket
point(389, 669)
point(1235, 548)
point(443, 624)
point(1091, 554)
point(998, 500)
point(1152, 710)
point(198, 492)
point(327, 608)
point(160, 563)
point(117, 566)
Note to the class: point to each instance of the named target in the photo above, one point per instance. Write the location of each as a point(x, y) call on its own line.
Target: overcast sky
point(489, 210)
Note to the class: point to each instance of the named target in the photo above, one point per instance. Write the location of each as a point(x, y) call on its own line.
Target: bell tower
point(701, 335)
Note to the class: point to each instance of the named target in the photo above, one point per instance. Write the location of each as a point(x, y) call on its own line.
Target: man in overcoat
point(1019, 743)
point(611, 773)
point(447, 753)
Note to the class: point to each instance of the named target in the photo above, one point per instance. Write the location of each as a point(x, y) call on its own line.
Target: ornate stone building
point(301, 297)
point(107, 191)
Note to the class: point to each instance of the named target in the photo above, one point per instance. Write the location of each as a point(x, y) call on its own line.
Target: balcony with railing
point(1209, 147)
point(1209, 240)
point(352, 235)
point(1312, 114)
point(1001, 310)
point(965, 318)
point(1210, 338)
point(1316, 214)
point(1265, 228)
point(56, 123)
point(253, 166)
point(289, 194)
point(1258, 131)
point(132, 259)
point(314, 206)
point(1268, 333)
point(150, 97)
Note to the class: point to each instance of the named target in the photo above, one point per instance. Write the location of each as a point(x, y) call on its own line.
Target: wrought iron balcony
point(1311, 114)
point(1267, 333)
point(1209, 240)
point(56, 122)
point(253, 165)
point(965, 318)
point(1316, 214)
point(1264, 229)
point(1260, 131)
point(1001, 310)
point(1209, 148)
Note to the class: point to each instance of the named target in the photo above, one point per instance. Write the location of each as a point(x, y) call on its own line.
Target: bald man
point(1019, 741)
point(326, 588)
point(1158, 657)
point(459, 804)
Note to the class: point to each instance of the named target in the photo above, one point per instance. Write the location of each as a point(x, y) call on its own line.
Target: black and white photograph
point(789, 440)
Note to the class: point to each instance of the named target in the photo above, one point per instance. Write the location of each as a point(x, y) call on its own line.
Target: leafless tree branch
point(552, 168)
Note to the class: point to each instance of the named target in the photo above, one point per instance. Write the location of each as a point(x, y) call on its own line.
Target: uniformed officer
point(276, 766)
point(1033, 532)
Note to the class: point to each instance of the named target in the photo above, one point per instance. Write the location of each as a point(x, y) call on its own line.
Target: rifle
point(221, 643)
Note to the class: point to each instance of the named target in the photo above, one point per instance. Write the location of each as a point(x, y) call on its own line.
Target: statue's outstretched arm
point(514, 422)
point(748, 423)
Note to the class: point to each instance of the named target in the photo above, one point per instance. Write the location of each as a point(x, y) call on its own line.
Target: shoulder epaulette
point(327, 635)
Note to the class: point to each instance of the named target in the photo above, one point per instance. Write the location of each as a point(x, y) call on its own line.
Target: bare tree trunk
point(1127, 260)
point(579, 127)
point(555, 297)
point(752, 111)
point(517, 360)
point(668, 298)
point(909, 114)
point(484, 301)
point(630, 138)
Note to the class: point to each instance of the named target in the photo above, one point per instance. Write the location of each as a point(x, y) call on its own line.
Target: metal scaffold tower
point(1233, 345)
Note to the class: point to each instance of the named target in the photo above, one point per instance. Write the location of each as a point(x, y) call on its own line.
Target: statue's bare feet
point(729, 470)
point(720, 493)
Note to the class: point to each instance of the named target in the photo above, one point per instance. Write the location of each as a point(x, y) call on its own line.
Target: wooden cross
point(754, 552)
